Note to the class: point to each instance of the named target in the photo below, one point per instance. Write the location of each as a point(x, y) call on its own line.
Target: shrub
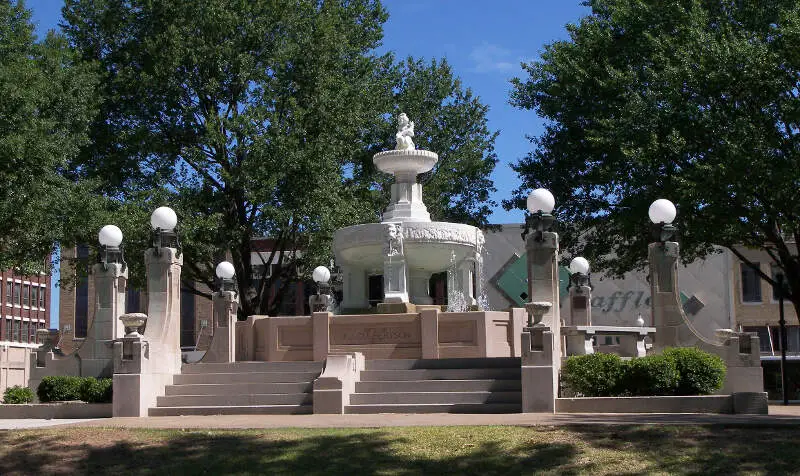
point(701, 373)
point(650, 375)
point(593, 375)
point(17, 395)
point(94, 390)
point(59, 389)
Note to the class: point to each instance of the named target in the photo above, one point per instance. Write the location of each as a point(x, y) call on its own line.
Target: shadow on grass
point(314, 452)
point(707, 449)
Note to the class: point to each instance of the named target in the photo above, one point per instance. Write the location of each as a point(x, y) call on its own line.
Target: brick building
point(25, 301)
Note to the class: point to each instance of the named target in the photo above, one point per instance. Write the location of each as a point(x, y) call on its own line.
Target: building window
point(26, 293)
point(7, 330)
point(9, 290)
point(16, 329)
point(34, 296)
point(82, 297)
point(23, 337)
point(42, 294)
point(751, 284)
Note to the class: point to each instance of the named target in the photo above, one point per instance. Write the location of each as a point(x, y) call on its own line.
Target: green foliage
point(593, 375)
point(17, 395)
point(260, 119)
point(694, 101)
point(94, 390)
point(64, 389)
point(650, 375)
point(701, 373)
point(47, 103)
point(59, 389)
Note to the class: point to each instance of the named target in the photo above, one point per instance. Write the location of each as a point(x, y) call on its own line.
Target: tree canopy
point(259, 119)
point(695, 101)
point(46, 104)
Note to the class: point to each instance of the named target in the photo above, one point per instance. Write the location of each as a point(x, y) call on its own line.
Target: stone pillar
point(580, 309)
point(665, 302)
point(395, 277)
point(429, 331)
point(355, 288)
point(467, 271)
point(543, 281)
point(321, 335)
point(539, 372)
point(164, 307)
point(96, 354)
point(223, 345)
point(420, 288)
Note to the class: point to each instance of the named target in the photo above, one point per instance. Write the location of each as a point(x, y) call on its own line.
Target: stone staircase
point(239, 388)
point(475, 385)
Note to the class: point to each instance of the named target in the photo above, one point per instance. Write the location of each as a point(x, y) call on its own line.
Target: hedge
point(63, 389)
point(677, 371)
point(16, 395)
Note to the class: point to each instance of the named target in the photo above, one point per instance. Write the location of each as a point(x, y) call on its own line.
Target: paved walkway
point(779, 415)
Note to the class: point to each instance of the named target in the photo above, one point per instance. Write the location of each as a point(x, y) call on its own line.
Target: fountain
point(406, 248)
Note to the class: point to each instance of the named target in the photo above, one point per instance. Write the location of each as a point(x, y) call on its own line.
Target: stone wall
point(14, 364)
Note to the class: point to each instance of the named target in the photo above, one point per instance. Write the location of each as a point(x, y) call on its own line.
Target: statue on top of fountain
point(405, 131)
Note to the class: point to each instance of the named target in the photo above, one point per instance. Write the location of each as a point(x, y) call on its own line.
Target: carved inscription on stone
point(361, 335)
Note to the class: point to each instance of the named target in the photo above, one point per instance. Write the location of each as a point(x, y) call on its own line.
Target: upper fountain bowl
point(405, 162)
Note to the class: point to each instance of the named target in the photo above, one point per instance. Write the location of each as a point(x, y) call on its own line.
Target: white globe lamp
point(110, 236)
point(541, 200)
point(579, 265)
point(225, 270)
point(321, 274)
point(662, 211)
point(164, 218)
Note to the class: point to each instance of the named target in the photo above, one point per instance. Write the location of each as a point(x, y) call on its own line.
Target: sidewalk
point(779, 415)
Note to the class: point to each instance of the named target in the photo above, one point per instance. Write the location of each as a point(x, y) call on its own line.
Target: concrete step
point(233, 410)
point(436, 408)
point(234, 400)
point(236, 367)
point(466, 363)
point(239, 388)
point(435, 397)
point(245, 377)
point(441, 374)
point(439, 386)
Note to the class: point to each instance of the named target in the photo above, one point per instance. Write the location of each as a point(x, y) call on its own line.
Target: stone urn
point(536, 311)
point(133, 322)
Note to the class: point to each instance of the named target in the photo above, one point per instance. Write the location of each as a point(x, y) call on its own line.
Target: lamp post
point(540, 204)
point(782, 323)
point(579, 272)
point(163, 222)
point(320, 302)
point(225, 273)
point(662, 212)
point(580, 292)
point(110, 238)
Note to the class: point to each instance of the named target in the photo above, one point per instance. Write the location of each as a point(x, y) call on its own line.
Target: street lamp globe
point(541, 200)
point(164, 218)
point(321, 274)
point(225, 270)
point(662, 211)
point(110, 236)
point(579, 265)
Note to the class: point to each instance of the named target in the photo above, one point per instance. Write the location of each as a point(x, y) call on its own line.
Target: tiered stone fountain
point(407, 248)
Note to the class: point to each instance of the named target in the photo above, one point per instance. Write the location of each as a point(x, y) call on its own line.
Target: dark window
point(26, 293)
point(42, 294)
point(133, 300)
point(7, 330)
point(35, 296)
point(82, 297)
point(17, 294)
point(187, 318)
point(763, 337)
point(15, 335)
point(751, 284)
point(9, 290)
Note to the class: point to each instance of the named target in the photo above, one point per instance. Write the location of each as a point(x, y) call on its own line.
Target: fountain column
point(354, 285)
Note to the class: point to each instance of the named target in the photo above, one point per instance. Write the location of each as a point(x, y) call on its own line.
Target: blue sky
point(483, 41)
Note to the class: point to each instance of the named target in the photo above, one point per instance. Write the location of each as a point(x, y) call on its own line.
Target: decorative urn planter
point(133, 322)
point(536, 311)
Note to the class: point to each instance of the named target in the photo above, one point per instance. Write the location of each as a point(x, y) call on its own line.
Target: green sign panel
point(512, 280)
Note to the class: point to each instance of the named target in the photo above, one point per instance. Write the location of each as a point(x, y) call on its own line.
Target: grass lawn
point(594, 449)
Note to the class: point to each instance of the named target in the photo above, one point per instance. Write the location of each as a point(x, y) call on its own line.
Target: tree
point(695, 101)
point(46, 104)
point(251, 119)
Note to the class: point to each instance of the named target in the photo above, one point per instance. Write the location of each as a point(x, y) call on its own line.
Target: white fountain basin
point(429, 246)
point(404, 162)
